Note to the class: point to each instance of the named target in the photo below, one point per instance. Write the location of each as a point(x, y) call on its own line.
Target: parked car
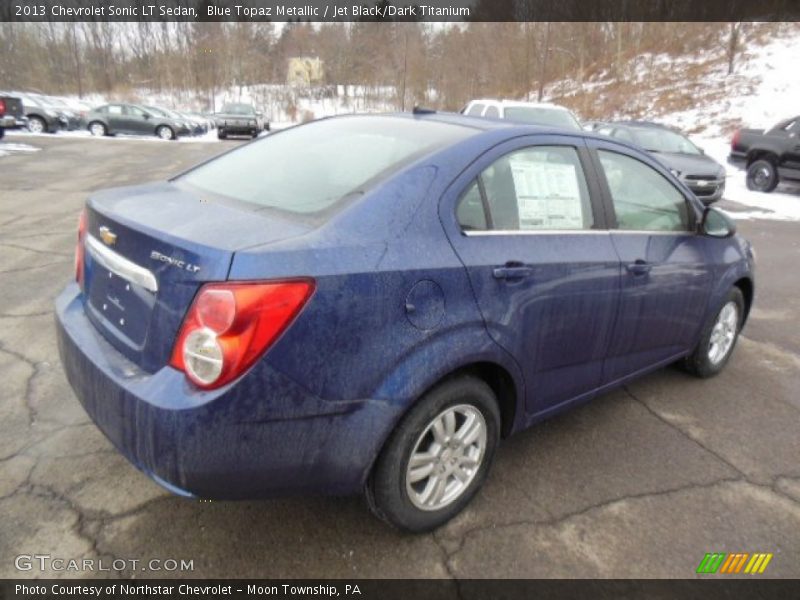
point(370, 303)
point(184, 127)
point(237, 119)
point(701, 173)
point(208, 119)
point(198, 126)
point(133, 119)
point(769, 156)
point(12, 115)
point(534, 113)
point(42, 117)
point(73, 117)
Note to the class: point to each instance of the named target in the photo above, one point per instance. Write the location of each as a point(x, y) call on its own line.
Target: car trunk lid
point(149, 249)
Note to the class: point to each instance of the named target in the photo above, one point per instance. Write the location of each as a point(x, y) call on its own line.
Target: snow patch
point(7, 149)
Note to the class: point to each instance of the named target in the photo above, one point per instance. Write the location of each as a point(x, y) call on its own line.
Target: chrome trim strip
point(475, 233)
point(569, 232)
point(121, 266)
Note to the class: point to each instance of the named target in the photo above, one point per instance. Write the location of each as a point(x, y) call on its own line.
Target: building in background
point(304, 71)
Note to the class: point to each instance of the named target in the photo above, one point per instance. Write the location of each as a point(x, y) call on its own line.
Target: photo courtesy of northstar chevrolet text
point(320, 294)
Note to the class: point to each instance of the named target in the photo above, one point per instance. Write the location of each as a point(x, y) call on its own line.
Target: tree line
point(437, 65)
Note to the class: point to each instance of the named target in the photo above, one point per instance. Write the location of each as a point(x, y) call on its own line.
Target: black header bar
point(398, 10)
point(707, 588)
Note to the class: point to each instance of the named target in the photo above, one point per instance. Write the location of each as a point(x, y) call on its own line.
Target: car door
point(116, 119)
point(791, 158)
point(542, 267)
point(665, 276)
point(137, 120)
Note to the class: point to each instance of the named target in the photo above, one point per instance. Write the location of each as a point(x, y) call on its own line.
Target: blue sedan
point(370, 303)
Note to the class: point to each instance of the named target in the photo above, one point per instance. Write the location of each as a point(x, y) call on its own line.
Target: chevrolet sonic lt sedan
point(370, 303)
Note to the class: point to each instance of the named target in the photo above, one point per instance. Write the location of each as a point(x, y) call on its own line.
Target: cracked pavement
point(641, 482)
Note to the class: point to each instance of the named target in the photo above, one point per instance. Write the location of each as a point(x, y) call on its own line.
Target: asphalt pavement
point(641, 482)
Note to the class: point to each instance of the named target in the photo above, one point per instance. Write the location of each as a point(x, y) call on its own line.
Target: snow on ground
point(6, 148)
point(211, 136)
point(763, 90)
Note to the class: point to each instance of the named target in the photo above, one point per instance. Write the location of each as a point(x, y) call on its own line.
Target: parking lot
point(640, 483)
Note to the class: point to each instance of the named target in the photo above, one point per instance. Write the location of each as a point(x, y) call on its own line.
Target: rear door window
point(538, 188)
point(470, 212)
point(491, 111)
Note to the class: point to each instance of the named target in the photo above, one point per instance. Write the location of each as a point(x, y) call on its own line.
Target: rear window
point(309, 169)
point(542, 116)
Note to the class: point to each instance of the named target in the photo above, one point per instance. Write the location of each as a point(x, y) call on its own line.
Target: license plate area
point(121, 305)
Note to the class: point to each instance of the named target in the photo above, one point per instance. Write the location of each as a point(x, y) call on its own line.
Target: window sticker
point(547, 193)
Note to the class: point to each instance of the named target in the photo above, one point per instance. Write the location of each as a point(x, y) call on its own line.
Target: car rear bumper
point(233, 443)
point(736, 159)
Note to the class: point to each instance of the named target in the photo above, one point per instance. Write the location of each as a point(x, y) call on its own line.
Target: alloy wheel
point(446, 457)
point(36, 125)
point(724, 333)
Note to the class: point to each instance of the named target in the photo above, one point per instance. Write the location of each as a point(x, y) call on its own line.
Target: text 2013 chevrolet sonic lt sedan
point(372, 302)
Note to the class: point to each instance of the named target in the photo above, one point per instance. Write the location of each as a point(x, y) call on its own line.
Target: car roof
point(513, 128)
point(645, 125)
point(520, 103)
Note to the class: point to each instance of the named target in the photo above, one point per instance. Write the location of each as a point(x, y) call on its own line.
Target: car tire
point(762, 176)
point(97, 129)
point(37, 124)
point(165, 132)
point(221, 135)
point(2, 132)
point(414, 502)
point(718, 338)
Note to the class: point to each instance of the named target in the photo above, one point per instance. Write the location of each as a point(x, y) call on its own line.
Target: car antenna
point(420, 110)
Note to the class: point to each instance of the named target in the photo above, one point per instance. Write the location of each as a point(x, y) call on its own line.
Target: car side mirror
point(716, 224)
point(259, 114)
point(146, 115)
point(702, 151)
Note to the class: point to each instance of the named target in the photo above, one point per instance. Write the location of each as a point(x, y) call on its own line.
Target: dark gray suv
point(132, 119)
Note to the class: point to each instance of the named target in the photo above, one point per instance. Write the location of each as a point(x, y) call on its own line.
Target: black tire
point(386, 491)
point(762, 176)
point(221, 135)
point(162, 130)
point(699, 363)
point(97, 128)
point(2, 132)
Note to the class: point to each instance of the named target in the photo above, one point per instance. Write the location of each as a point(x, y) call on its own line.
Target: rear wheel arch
point(496, 376)
point(502, 384)
point(767, 155)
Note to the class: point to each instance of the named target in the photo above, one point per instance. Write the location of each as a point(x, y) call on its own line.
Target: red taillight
point(2, 107)
point(80, 249)
point(230, 325)
point(736, 137)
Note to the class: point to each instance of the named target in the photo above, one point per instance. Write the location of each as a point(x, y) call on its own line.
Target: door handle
point(639, 267)
point(512, 270)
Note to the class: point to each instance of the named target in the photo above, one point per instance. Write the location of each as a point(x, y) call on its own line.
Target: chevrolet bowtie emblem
point(109, 237)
